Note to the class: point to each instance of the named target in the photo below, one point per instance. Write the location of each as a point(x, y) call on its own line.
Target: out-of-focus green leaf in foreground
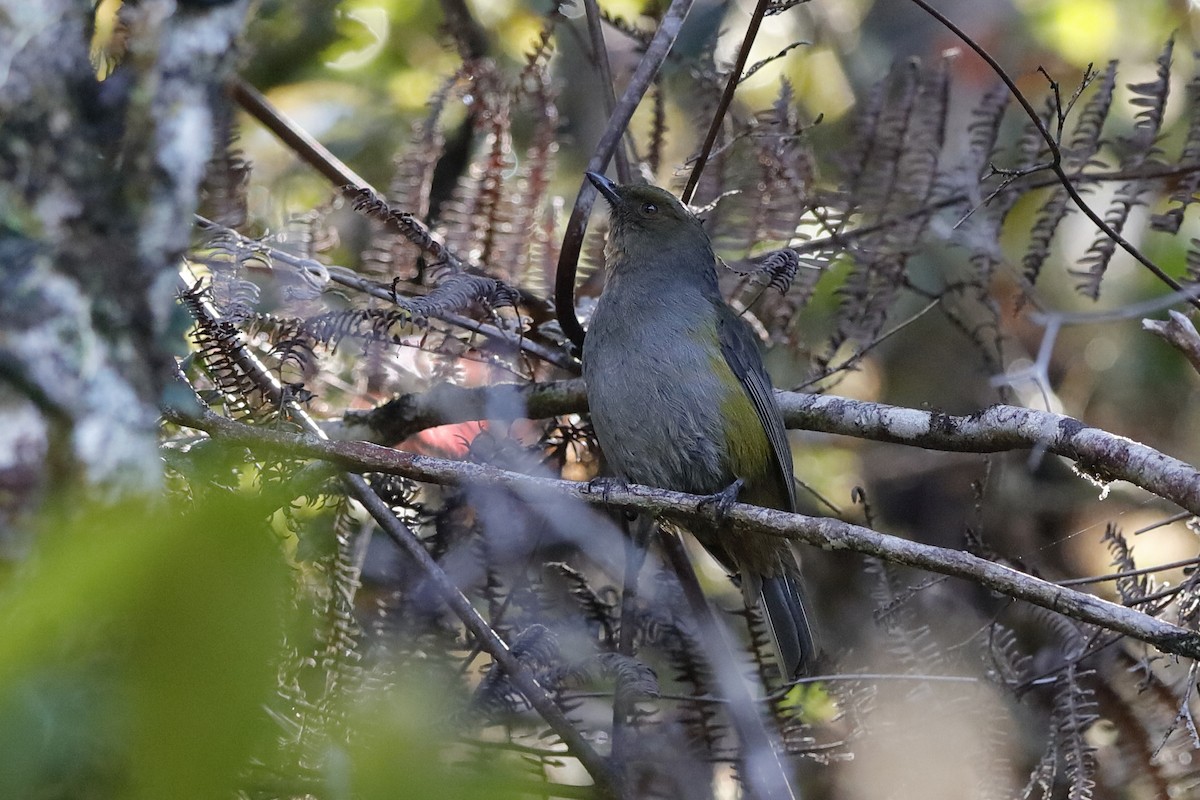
point(139, 647)
point(140, 651)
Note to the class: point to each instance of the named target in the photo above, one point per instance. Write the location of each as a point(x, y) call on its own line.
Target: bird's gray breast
point(655, 397)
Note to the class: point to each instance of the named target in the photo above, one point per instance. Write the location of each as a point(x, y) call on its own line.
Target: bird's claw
point(604, 486)
point(723, 500)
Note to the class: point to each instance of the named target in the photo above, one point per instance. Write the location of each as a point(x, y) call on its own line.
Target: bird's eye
point(649, 209)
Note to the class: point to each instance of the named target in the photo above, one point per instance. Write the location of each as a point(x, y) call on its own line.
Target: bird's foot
point(604, 486)
point(723, 500)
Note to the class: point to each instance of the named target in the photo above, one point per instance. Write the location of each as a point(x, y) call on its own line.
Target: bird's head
point(648, 221)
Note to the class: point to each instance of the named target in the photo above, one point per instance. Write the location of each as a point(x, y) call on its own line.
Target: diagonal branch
point(735, 77)
point(568, 256)
point(829, 534)
point(354, 187)
point(195, 415)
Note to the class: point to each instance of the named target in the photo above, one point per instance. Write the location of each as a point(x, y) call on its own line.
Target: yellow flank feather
point(748, 448)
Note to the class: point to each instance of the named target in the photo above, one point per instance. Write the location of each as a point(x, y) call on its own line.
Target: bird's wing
point(740, 348)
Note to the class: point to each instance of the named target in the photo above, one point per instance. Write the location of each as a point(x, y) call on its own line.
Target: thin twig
point(1131, 573)
point(608, 93)
point(731, 84)
point(572, 245)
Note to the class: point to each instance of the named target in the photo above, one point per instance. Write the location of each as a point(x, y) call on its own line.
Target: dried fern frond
point(223, 196)
point(1074, 712)
point(596, 610)
point(1131, 588)
point(496, 698)
point(220, 349)
point(1187, 189)
point(1151, 98)
point(1084, 145)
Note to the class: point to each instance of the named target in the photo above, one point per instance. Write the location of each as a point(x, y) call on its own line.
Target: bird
point(680, 399)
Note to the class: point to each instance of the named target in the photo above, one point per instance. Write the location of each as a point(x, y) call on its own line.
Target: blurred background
point(976, 696)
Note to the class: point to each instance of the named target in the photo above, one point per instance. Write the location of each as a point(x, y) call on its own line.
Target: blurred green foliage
point(141, 653)
point(139, 649)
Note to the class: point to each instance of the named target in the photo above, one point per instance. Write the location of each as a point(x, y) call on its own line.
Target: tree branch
point(1102, 455)
point(568, 256)
point(1179, 332)
point(731, 84)
point(196, 415)
point(829, 534)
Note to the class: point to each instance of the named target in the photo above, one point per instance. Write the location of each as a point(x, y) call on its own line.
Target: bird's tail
point(786, 610)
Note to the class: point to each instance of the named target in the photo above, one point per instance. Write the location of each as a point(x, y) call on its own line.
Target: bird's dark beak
point(605, 187)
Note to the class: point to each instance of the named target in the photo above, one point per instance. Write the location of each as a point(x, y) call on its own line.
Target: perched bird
point(680, 398)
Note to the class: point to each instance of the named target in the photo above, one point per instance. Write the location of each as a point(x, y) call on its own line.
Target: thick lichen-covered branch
point(829, 534)
point(1100, 454)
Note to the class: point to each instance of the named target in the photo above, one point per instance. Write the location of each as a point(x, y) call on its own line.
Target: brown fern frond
point(910, 642)
point(1192, 259)
point(235, 297)
point(1008, 665)
point(220, 349)
point(1151, 98)
point(1052, 212)
point(595, 610)
point(663, 627)
point(917, 169)
point(1084, 145)
point(984, 128)
point(658, 125)
point(493, 203)
point(634, 680)
point(478, 213)
point(342, 657)
point(1074, 712)
point(1131, 588)
point(1086, 137)
point(533, 181)
point(866, 126)
point(390, 254)
point(978, 172)
point(897, 172)
point(876, 184)
point(403, 222)
point(1185, 191)
point(1102, 249)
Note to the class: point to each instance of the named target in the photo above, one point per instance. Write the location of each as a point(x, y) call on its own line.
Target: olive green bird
point(680, 399)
